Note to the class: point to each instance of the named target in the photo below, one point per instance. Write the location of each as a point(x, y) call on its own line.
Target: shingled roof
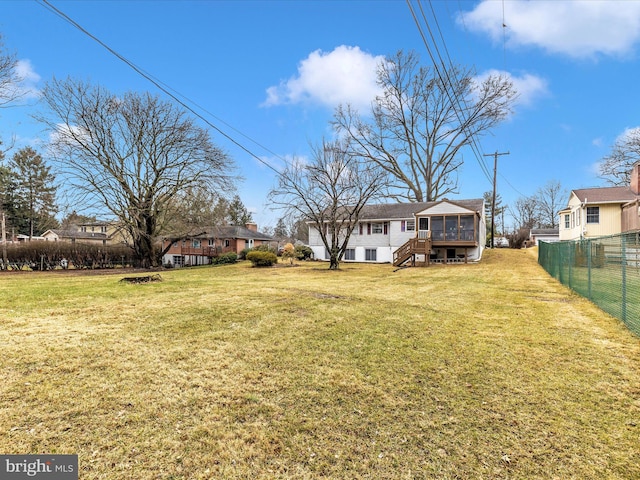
point(77, 234)
point(230, 231)
point(605, 195)
point(393, 211)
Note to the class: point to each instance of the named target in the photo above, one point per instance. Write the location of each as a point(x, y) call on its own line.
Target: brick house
point(203, 244)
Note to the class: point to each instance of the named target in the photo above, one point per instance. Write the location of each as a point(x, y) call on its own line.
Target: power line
point(164, 88)
point(447, 84)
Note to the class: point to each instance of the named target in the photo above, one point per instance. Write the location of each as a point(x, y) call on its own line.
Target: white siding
point(444, 208)
point(610, 220)
point(397, 237)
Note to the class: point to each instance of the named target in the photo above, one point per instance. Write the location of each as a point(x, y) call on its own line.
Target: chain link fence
point(606, 270)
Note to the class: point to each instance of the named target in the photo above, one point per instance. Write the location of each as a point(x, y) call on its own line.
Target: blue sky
point(270, 73)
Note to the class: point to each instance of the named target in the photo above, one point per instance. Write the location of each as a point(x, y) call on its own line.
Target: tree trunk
point(333, 262)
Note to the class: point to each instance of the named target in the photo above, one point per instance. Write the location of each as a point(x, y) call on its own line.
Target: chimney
point(251, 226)
point(635, 179)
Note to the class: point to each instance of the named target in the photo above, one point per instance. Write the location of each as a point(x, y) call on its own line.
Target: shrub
point(262, 259)
point(38, 255)
point(225, 258)
point(243, 253)
point(302, 252)
point(265, 247)
point(288, 251)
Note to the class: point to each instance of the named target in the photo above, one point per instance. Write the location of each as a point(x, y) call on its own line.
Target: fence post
point(623, 245)
point(589, 269)
point(571, 258)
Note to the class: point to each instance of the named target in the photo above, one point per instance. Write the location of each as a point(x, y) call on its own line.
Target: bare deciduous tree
point(422, 121)
point(330, 192)
point(549, 199)
point(130, 156)
point(9, 78)
point(526, 213)
point(193, 208)
point(616, 167)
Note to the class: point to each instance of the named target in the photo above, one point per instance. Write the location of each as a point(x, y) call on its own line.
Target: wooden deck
point(423, 246)
point(408, 251)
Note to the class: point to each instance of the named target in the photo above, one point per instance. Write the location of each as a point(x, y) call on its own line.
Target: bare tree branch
point(421, 122)
point(616, 167)
point(329, 192)
point(130, 156)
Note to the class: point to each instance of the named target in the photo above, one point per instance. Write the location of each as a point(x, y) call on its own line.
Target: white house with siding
point(387, 233)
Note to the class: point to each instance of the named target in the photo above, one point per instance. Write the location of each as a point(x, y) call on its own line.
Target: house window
point(350, 254)
point(355, 230)
point(227, 243)
point(178, 260)
point(593, 214)
point(103, 229)
point(211, 242)
point(83, 229)
point(371, 255)
point(423, 223)
point(566, 221)
point(196, 243)
point(411, 225)
point(376, 228)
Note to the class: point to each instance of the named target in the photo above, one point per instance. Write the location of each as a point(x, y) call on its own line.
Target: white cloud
point(629, 135)
point(529, 87)
point(344, 75)
point(29, 79)
point(577, 28)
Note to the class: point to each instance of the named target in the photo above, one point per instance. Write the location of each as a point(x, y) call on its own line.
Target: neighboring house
point(95, 233)
point(445, 231)
point(199, 247)
point(20, 238)
point(548, 235)
point(597, 212)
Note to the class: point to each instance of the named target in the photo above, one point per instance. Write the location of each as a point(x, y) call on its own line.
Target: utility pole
point(493, 200)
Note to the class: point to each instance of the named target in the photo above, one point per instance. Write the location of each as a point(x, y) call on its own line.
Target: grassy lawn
point(473, 371)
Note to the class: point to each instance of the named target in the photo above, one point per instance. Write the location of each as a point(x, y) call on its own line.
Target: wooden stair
point(408, 251)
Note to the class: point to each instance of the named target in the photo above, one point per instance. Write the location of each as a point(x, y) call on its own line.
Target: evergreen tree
point(499, 210)
point(74, 219)
point(280, 231)
point(35, 191)
point(238, 213)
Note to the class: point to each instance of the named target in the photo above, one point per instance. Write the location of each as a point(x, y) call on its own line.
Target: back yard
point(472, 371)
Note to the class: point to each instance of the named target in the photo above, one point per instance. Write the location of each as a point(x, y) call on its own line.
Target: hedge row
point(39, 255)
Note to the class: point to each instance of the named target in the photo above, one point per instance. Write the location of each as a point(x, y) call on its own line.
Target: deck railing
point(413, 246)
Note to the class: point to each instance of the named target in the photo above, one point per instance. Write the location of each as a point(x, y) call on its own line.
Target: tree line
point(144, 161)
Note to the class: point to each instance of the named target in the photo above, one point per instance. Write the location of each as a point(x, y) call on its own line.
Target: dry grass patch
point(474, 371)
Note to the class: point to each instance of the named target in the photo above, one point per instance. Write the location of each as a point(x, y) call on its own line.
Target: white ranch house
point(445, 231)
